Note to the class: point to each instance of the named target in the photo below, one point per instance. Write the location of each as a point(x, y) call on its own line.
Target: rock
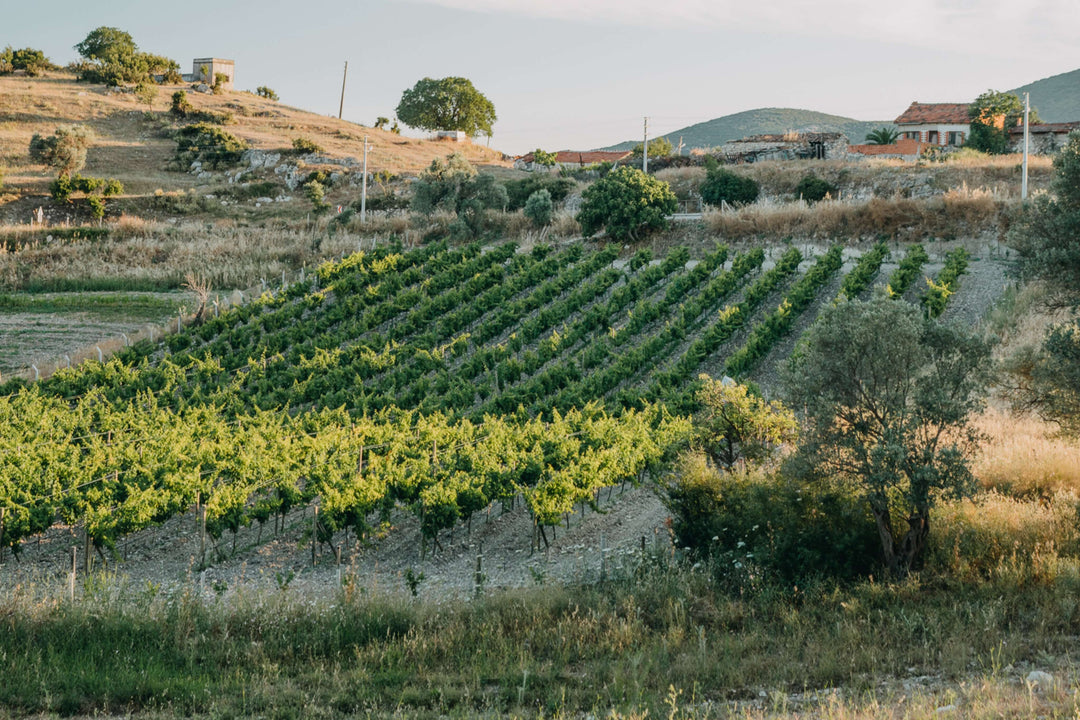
point(263, 200)
point(1040, 681)
point(946, 709)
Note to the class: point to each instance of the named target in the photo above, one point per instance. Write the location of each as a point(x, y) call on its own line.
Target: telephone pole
point(1024, 175)
point(344, 75)
point(645, 149)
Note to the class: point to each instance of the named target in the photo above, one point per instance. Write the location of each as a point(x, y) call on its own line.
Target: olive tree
point(887, 397)
point(65, 150)
point(450, 103)
point(1047, 378)
point(736, 424)
point(627, 203)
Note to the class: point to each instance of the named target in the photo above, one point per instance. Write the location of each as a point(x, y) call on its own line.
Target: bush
point(812, 189)
point(538, 208)
point(304, 146)
point(791, 530)
point(181, 108)
point(265, 92)
point(208, 144)
point(519, 191)
point(65, 150)
point(627, 203)
point(32, 61)
point(316, 193)
point(722, 186)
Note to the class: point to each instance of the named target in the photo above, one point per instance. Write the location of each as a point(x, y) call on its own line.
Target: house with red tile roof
point(574, 159)
point(943, 124)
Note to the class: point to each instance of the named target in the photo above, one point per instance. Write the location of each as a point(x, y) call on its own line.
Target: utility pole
point(363, 186)
point(344, 75)
point(679, 153)
point(1027, 134)
point(645, 149)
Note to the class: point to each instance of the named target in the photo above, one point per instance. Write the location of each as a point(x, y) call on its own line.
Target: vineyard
point(438, 381)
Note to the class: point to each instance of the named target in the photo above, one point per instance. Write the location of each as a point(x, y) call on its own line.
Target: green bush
point(752, 524)
point(32, 61)
point(539, 207)
point(265, 92)
point(519, 191)
point(304, 146)
point(627, 203)
point(725, 186)
point(208, 144)
point(180, 105)
point(813, 189)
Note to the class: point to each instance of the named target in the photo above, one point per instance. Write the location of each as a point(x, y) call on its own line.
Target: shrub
point(304, 146)
point(316, 193)
point(519, 191)
point(627, 203)
point(146, 93)
point(32, 61)
point(208, 144)
point(265, 92)
point(793, 531)
point(722, 186)
point(181, 108)
point(219, 83)
point(812, 189)
point(538, 208)
point(97, 206)
point(65, 150)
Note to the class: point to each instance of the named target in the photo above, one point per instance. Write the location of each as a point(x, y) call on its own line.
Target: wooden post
point(71, 583)
point(86, 560)
point(603, 568)
point(314, 533)
point(478, 578)
point(2, 535)
point(202, 535)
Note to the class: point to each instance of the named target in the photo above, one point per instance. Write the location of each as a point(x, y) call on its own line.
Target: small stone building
point(1046, 139)
point(799, 145)
point(573, 159)
point(212, 67)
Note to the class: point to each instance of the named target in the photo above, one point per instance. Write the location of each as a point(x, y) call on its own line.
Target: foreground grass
point(665, 640)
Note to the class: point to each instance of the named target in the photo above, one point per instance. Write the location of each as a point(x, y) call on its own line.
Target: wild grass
point(956, 214)
point(1026, 456)
point(631, 645)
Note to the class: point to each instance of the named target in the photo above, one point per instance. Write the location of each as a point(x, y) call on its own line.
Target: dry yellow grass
point(136, 149)
point(1024, 455)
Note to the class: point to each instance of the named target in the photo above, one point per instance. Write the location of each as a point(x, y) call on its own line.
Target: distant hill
point(760, 122)
point(1056, 98)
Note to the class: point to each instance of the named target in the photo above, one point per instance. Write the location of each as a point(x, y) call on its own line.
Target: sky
point(581, 74)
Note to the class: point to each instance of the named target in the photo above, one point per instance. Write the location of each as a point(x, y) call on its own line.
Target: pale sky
point(579, 74)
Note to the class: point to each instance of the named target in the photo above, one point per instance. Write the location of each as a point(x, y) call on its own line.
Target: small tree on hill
point(538, 208)
point(627, 203)
point(813, 189)
point(659, 147)
point(451, 103)
point(265, 92)
point(32, 62)
point(888, 396)
point(65, 150)
point(146, 93)
point(381, 123)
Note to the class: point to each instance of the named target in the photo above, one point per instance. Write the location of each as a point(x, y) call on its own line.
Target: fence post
point(100, 355)
point(126, 340)
point(478, 578)
point(74, 564)
point(314, 533)
point(202, 535)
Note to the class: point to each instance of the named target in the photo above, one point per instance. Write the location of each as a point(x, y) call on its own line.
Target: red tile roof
point(573, 157)
point(927, 113)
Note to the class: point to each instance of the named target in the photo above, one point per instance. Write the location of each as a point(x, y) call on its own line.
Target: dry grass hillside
point(135, 145)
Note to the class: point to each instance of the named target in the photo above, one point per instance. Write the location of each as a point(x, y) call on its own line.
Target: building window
point(932, 137)
point(956, 138)
point(913, 135)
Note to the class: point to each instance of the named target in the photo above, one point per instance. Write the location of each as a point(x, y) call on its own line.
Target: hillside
point(135, 144)
point(760, 122)
point(1057, 98)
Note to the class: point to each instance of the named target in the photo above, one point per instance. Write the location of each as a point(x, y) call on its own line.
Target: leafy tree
point(722, 185)
point(316, 193)
point(992, 114)
point(1045, 237)
point(65, 150)
point(439, 186)
point(538, 208)
point(265, 92)
point(736, 424)
point(114, 58)
point(627, 203)
point(544, 158)
point(887, 396)
point(32, 61)
point(882, 136)
point(658, 148)
point(813, 189)
point(451, 103)
point(381, 122)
